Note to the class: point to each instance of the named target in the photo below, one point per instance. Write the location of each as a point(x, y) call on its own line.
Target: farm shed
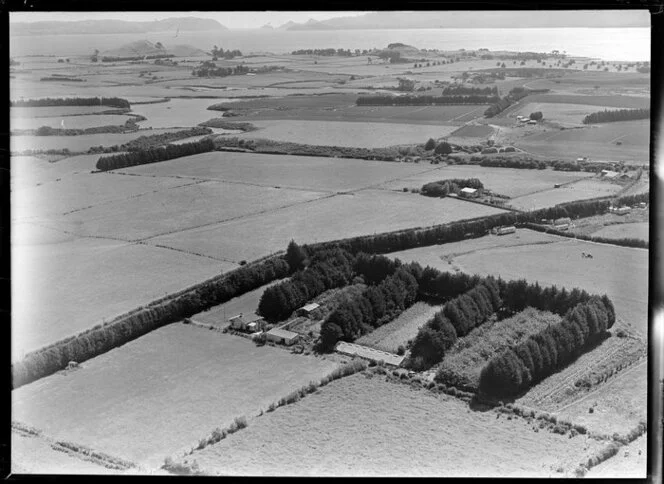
point(505, 230)
point(252, 322)
point(609, 174)
point(562, 220)
point(368, 353)
point(282, 336)
point(308, 309)
point(469, 192)
point(622, 210)
point(532, 121)
point(561, 227)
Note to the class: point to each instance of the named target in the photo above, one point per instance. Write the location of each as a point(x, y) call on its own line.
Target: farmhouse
point(561, 227)
point(308, 309)
point(609, 174)
point(282, 336)
point(469, 192)
point(505, 230)
point(620, 210)
point(368, 353)
point(250, 323)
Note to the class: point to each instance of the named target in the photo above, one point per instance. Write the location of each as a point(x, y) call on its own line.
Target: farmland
point(552, 260)
point(356, 214)
point(70, 122)
point(397, 333)
point(340, 133)
point(583, 189)
point(139, 403)
point(385, 429)
point(639, 230)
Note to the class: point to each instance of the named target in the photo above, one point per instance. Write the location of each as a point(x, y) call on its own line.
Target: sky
point(233, 20)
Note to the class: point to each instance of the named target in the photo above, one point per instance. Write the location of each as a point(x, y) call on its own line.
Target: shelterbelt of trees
point(442, 188)
point(155, 155)
point(465, 90)
point(219, 289)
point(148, 142)
point(608, 116)
point(409, 100)
point(72, 101)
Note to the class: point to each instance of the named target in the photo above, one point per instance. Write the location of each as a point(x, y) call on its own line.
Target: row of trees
point(376, 305)
point(155, 155)
point(94, 342)
point(218, 52)
point(73, 101)
point(113, 58)
point(324, 52)
point(143, 143)
point(502, 162)
point(210, 69)
point(608, 116)
point(625, 242)
point(546, 352)
point(424, 100)
point(442, 188)
point(500, 105)
point(464, 90)
point(442, 148)
point(328, 269)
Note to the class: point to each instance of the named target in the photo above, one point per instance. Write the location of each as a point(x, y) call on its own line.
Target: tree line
point(72, 101)
point(103, 338)
point(143, 143)
point(608, 116)
point(500, 105)
point(553, 348)
point(464, 90)
point(323, 52)
point(210, 69)
point(218, 52)
point(154, 155)
point(442, 188)
point(624, 242)
point(501, 162)
point(407, 100)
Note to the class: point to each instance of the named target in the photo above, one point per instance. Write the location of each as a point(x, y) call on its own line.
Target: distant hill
point(147, 48)
point(113, 26)
point(488, 19)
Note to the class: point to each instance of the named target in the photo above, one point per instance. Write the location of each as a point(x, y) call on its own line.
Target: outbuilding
point(609, 174)
point(506, 230)
point(308, 309)
point(469, 192)
point(282, 336)
point(252, 323)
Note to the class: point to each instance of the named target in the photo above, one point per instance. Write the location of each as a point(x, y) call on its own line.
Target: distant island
point(114, 26)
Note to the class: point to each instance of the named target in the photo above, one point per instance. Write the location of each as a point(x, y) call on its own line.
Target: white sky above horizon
point(248, 20)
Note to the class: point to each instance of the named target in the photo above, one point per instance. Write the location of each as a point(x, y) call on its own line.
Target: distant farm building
point(609, 174)
point(369, 353)
point(624, 210)
point(469, 192)
point(562, 220)
point(641, 205)
point(556, 185)
point(585, 158)
point(532, 121)
point(625, 176)
point(308, 309)
point(561, 227)
point(282, 336)
point(251, 323)
point(505, 230)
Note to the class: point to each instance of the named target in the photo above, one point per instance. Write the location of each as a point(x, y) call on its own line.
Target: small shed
point(308, 309)
point(622, 210)
point(532, 121)
point(252, 322)
point(561, 227)
point(506, 230)
point(609, 174)
point(469, 192)
point(282, 336)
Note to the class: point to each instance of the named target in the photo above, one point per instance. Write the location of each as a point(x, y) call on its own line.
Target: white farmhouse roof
point(610, 174)
point(468, 190)
point(283, 333)
point(310, 307)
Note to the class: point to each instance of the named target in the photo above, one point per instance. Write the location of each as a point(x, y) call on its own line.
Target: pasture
point(387, 429)
point(340, 133)
point(77, 144)
point(62, 284)
point(640, 230)
point(511, 182)
point(178, 112)
point(581, 190)
point(619, 272)
point(601, 102)
point(396, 333)
point(335, 217)
point(45, 112)
point(564, 114)
point(70, 122)
point(296, 172)
point(158, 395)
point(630, 462)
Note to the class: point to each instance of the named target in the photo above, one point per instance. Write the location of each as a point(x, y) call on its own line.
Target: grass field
point(636, 222)
point(473, 131)
point(368, 427)
point(70, 122)
point(62, 285)
point(623, 102)
point(620, 272)
point(396, 333)
point(339, 133)
point(179, 208)
point(335, 217)
point(580, 190)
point(77, 144)
point(564, 114)
point(25, 112)
point(470, 354)
point(510, 182)
point(301, 172)
point(177, 112)
point(31, 171)
point(640, 230)
point(159, 394)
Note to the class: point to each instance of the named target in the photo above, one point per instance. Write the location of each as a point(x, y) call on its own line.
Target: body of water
point(619, 44)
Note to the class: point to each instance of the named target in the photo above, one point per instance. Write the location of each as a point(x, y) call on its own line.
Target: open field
point(140, 403)
point(179, 208)
point(386, 429)
point(464, 362)
point(80, 143)
point(619, 272)
point(580, 190)
point(630, 462)
point(639, 230)
point(560, 113)
point(601, 102)
point(473, 131)
point(40, 112)
point(396, 333)
point(301, 172)
point(339, 133)
point(511, 182)
point(70, 122)
point(31, 171)
point(177, 112)
point(62, 285)
point(361, 213)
